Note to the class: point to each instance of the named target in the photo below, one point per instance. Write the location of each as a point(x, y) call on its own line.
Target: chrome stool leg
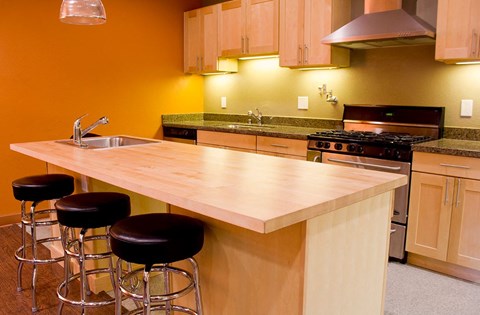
point(146, 290)
point(28, 251)
point(21, 252)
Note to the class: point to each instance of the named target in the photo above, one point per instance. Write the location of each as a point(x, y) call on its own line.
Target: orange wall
point(129, 69)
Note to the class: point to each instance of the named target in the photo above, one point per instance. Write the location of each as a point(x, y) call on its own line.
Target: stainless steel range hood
point(397, 26)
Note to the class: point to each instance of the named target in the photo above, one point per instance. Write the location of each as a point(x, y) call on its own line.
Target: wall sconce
point(330, 98)
point(83, 12)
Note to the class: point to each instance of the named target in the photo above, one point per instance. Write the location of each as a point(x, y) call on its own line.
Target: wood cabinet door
point(322, 17)
point(303, 24)
point(464, 246)
point(318, 24)
point(429, 215)
point(261, 31)
point(192, 35)
point(282, 146)
point(231, 38)
point(227, 140)
point(458, 27)
point(209, 38)
point(291, 32)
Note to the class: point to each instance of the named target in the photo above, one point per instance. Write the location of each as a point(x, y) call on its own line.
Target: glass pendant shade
point(83, 12)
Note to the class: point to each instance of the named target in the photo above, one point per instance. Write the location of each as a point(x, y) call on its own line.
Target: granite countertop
point(282, 127)
point(468, 148)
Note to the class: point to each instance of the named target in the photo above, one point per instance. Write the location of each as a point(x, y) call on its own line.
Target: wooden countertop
point(257, 192)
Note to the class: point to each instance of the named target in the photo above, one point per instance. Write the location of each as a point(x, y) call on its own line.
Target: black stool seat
point(43, 187)
point(92, 210)
point(156, 238)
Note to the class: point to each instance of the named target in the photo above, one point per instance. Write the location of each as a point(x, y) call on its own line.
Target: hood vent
point(391, 28)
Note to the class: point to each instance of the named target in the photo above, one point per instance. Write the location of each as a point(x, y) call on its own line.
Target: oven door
point(397, 236)
point(401, 193)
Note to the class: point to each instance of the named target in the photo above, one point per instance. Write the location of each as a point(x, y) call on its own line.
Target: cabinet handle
point(279, 146)
point(198, 66)
point(247, 45)
point(474, 43)
point(201, 63)
point(457, 201)
point(243, 45)
point(300, 55)
point(445, 198)
point(455, 166)
point(306, 55)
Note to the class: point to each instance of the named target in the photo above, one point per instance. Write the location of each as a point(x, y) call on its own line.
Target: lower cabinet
point(226, 140)
point(444, 214)
point(290, 148)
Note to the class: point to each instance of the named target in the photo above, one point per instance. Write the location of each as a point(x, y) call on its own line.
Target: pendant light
point(83, 12)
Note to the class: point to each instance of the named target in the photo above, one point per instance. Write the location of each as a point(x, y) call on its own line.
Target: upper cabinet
point(458, 28)
point(303, 23)
point(248, 28)
point(201, 42)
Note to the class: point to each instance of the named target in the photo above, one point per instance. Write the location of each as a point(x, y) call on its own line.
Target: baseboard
point(444, 267)
point(9, 219)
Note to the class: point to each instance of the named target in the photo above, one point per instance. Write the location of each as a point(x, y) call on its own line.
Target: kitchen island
point(282, 236)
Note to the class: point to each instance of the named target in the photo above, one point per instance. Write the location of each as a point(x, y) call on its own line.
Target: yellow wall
point(403, 76)
point(130, 69)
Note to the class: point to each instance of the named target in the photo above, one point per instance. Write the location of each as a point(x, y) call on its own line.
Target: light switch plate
point(466, 109)
point(303, 102)
point(223, 101)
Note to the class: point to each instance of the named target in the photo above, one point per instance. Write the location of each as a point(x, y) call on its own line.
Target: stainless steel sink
point(109, 142)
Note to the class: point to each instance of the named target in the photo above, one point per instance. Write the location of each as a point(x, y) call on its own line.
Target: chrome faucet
point(257, 117)
point(78, 133)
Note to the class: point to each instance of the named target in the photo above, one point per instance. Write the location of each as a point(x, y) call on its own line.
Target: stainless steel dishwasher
point(180, 134)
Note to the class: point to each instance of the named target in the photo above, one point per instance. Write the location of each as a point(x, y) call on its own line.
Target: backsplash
point(392, 76)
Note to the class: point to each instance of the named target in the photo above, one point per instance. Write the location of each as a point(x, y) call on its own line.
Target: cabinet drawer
point(282, 146)
point(450, 165)
point(225, 139)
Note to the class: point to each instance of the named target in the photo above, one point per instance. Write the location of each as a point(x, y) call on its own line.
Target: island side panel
point(245, 272)
point(346, 258)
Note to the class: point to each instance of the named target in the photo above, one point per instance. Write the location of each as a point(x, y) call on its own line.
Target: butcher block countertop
point(257, 192)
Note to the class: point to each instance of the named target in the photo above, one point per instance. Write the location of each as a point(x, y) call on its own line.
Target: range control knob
point(351, 147)
point(327, 145)
point(319, 144)
point(338, 146)
point(387, 152)
point(360, 149)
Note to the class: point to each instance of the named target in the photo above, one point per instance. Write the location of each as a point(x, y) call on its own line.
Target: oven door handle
point(382, 167)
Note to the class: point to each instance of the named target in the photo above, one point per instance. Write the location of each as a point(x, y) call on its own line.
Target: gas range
point(386, 145)
point(380, 138)
point(381, 131)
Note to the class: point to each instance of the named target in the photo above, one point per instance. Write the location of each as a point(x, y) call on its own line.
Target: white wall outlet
point(303, 102)
point(466, 109)
point(223, 101)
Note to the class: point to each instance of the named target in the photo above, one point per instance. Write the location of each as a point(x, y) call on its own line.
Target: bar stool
point(155, 240)
point(35, 189)
point(84, 212)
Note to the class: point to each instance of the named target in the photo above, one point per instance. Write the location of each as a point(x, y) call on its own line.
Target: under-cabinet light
point(258, 57)
point(468, 63)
